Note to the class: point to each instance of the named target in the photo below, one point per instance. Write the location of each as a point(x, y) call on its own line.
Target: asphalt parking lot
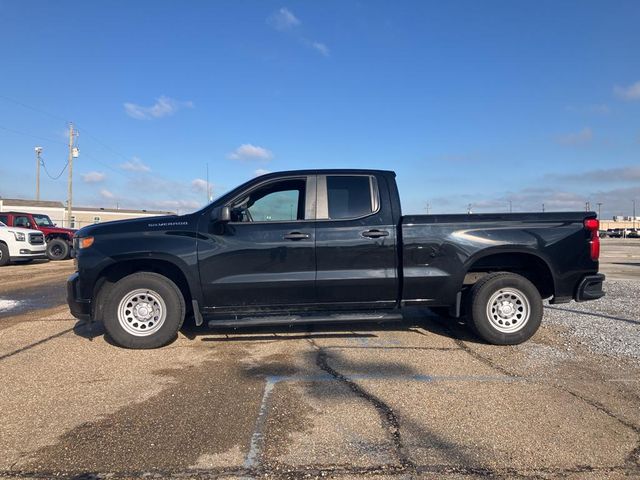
point(423, 398)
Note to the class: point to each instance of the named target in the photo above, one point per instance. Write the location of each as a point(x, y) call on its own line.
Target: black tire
point(4, 255)
point(145, 290)
point(57, 249)
point(518, 295)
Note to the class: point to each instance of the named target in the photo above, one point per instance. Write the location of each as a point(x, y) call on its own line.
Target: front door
point(265, 256)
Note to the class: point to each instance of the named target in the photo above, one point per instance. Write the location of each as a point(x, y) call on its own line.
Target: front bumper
point(590, 288)
point(80, 308)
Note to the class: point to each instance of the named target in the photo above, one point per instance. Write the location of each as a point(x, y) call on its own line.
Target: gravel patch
point(608, 326)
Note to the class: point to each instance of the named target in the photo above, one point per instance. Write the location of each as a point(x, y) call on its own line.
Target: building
point(80, 216)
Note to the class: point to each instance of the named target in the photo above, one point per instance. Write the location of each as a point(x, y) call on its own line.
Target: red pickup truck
point(59, 240)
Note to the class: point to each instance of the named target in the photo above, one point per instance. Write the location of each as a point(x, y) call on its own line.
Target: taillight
point(593, 225)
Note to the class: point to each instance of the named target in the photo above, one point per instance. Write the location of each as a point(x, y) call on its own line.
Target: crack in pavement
point(387, 415)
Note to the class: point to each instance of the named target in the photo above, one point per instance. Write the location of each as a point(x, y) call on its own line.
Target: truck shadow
point(416, 321)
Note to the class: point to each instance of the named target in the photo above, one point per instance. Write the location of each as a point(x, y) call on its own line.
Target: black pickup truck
point(323, 246)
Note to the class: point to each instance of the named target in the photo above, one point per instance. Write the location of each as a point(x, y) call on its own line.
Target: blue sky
point(480, 102)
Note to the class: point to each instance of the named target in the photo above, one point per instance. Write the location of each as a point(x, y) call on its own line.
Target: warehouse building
point(80, 216)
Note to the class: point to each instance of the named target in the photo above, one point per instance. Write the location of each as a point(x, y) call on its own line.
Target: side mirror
point(224, 214)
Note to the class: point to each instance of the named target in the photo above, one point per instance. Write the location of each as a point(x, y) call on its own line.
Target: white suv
point(20, 244)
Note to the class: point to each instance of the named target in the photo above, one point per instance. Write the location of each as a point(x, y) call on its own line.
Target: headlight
point(85, 242)
point(19, 236)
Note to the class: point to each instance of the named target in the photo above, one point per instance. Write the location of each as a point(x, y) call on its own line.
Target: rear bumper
point(80, 308)
point(590, 288)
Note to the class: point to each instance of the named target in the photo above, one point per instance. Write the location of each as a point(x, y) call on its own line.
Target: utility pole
point(599, 207)
point(38, 162)
point(73, 152)
point(510, 206)
point(543, 208)
point(208, 193)
point(587, 207)
point(634, 213)
point(428, 208)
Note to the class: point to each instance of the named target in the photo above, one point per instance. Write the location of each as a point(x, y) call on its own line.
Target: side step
point(355, 317)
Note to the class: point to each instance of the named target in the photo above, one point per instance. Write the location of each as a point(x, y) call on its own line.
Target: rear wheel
point(4, 255)
point(143, 310)
point(505, 308)
point(57, 249)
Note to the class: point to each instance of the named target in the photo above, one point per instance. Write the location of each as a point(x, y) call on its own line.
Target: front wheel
point(57, 249)
point(143, 310)
point(505, 308)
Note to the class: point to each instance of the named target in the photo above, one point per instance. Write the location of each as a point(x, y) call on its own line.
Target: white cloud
point(175, 205)
point(135, 165)
point(283, 19)
point(321, 48)
point(261, 171)
point(93, 177)
point(201, 186)
point(582, 137)
point(629, 93)
point(599, 176)
point(106, 194)
point(250, 152)
point(164, 107)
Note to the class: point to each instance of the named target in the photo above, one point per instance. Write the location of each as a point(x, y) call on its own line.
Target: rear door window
point(351, 196)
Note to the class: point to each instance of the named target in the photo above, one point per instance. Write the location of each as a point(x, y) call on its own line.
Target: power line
point(22, 104)
point(18, 132)
point(44, 166)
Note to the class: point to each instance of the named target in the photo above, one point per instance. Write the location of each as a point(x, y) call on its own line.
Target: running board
point(253, 321)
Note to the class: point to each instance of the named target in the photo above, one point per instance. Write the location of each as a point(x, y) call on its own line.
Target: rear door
point(355, 242)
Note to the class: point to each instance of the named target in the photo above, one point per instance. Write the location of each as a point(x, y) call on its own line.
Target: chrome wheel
point(508, 310)
point(142, 312)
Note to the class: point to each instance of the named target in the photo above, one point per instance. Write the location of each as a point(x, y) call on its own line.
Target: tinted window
point(349, 197)
point(275, 202)
point(21, 222)
point(43, 221)
point(4, 219)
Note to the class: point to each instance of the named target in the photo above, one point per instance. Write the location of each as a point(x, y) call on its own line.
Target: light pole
point(510, 206)
point(38, 162)
point(599, 205)
point(634, 213)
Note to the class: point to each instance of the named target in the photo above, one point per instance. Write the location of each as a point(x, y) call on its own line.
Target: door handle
point(375, 233)
point(296, 236)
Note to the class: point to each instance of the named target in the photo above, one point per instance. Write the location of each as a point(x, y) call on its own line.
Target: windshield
point(43, 221)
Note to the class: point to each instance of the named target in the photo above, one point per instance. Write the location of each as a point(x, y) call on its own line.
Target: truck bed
point(439, 250)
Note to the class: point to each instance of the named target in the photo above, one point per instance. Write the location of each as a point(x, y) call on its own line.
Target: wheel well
point(531, 267)
point(55, 236)
point(115, 272)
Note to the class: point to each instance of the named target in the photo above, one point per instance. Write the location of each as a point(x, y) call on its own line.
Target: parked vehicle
point(615, 232)
point(633, 233)
point(59, 240)
point(20, 245)
point(329, 246)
